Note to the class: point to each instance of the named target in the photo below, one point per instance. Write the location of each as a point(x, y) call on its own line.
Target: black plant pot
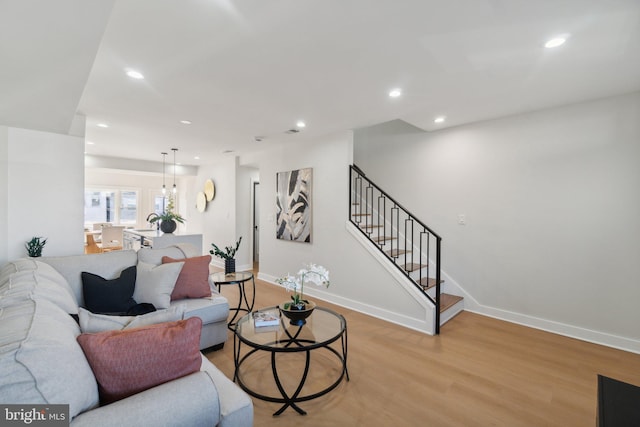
point(168, 226)
point(229, 265)
point(298, 316)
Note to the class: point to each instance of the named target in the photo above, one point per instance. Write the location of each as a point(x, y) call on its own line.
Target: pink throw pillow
point(128, 362)
point(193, 281)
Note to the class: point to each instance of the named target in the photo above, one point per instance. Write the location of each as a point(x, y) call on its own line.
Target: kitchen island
point(151, 238)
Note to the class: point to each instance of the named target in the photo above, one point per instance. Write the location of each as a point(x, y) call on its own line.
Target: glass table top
point(323, 326)
point(238, 276)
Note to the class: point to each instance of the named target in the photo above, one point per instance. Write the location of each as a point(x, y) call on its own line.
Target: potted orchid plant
point(299, 308)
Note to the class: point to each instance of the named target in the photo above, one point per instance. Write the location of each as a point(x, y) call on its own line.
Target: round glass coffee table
point(324, 335)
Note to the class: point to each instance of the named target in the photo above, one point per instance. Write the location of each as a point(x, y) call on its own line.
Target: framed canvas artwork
point(293, 205)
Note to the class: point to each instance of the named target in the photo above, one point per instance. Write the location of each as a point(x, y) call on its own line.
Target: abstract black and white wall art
point(293, 205)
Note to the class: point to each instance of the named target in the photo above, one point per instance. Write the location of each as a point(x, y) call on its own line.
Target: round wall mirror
point(201, 202)
point(209, 190)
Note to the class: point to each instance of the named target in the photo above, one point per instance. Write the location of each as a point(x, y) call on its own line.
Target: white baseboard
point(571, 331)
point(596, 337)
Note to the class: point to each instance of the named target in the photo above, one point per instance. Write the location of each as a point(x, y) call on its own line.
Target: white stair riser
point(449, 313)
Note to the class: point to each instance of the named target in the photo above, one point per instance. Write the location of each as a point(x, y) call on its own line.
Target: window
point(116, 206)
point(128, 207)
point(98, 206)
point(159, 203)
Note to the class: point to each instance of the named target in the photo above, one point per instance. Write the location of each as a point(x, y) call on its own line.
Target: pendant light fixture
point(175, 189)
point(164, 187)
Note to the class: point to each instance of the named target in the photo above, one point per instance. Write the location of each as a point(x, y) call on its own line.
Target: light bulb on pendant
point(164, 187)
point(175, 189)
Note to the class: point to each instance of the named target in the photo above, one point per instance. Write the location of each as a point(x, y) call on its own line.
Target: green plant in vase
point(168, 218)
point(228, 255)
point(35, 245)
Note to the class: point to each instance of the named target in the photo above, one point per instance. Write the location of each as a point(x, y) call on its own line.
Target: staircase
point(412, 247)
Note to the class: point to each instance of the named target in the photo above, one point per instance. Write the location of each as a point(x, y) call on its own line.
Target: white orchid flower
point(313, 273)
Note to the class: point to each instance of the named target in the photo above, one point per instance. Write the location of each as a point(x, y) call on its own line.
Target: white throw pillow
point(154, 283)
point(91, 322)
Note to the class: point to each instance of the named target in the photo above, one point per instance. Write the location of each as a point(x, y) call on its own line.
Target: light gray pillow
point(154, 283)
point(91, 323)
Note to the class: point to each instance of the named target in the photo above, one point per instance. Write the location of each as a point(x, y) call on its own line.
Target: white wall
point(358, 281)
point(42, 191)
point(218, 222)
point(551, 201)
point(229, 215)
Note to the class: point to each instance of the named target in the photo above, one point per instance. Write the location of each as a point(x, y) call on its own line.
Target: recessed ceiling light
point(196, 158)
point(102, 125)
point(135, 74)
point(556, 41)
point(185, 122)
point(301, 124)
point(89, 143)
point(395, 93)
point(440, 119)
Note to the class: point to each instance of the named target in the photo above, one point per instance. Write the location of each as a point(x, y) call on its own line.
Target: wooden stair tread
point(382, 239)
point(396, 252)
point(413, 267)
point(360, 214)
point(448, 300)
point(370, 226)
point(428, 282)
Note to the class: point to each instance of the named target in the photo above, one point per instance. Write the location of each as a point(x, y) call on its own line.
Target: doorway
point(256, 225)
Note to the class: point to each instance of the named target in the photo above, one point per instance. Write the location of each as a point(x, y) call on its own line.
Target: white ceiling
point(244, 68)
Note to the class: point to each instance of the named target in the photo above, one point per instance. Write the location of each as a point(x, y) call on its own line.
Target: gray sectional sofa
point(213, 311)
point(41, 361)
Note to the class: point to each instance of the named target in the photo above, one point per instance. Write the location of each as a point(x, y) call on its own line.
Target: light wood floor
point(479, 372)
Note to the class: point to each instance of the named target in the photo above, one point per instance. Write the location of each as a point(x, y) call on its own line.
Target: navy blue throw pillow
point(109, 296)
point(141, 308)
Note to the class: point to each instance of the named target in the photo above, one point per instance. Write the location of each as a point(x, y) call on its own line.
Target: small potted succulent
point(168, 218)
point(35, 245)
point(227, 255)
point(299, 308)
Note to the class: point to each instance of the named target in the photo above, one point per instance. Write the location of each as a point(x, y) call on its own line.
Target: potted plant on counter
point(228, 255)
point(168, 218)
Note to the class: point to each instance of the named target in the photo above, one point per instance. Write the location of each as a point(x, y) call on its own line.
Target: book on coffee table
point(263, 318)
